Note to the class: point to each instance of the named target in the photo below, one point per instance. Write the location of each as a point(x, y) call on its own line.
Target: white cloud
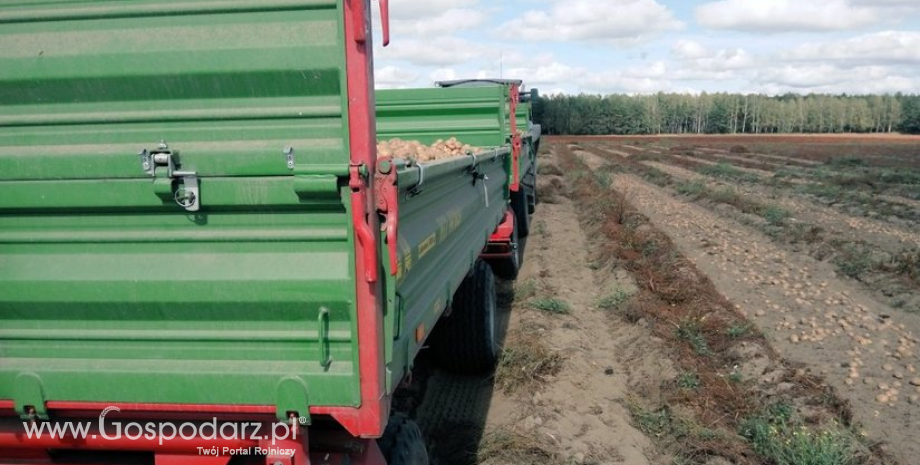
point(693, 61)
point(615, 21)
point(825, 78)
point(437, 51)
point(453, 20)
point(728, 59)
point(886, 47)
point(553, 76)
point(803, 77)
point(469, 39)
point(903, 4)
point(785, 15)
point(388, 77)
point(614, 81)
point(418, 9)
point(443, 74)
point(658, 69)
point(686, 49)
point(553, 73)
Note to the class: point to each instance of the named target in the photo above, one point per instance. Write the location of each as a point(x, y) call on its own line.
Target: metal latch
point(478, 175)
point(186, 194)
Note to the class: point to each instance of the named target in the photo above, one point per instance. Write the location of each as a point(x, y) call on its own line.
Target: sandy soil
point(784, 160)
point(864, 348)
point(583, 407)
point(887, 236)
point(677, 172)
point(748, 156)
point(615, 151)
point(731, 158)
point(754, 171)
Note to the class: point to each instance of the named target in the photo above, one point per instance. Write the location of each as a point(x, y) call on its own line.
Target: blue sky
point(646, 46)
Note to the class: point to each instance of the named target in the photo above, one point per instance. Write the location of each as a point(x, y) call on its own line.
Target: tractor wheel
point(465, 340)
point(532, 196)
point(519, 203)
point(402, 443)
point(508, 268)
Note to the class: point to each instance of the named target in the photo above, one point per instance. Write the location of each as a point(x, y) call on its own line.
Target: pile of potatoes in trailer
point(415, 150)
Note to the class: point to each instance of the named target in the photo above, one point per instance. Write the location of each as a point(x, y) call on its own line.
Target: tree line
point(723, 113)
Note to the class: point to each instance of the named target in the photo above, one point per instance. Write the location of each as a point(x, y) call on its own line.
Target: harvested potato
point(417, 151)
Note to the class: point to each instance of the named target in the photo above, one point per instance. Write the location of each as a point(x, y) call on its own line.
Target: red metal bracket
point(505, 230)
point(385, 21)
point(359, 20)
point(500, 245)
point(500, 242)
point(362, 229)
point(516, 142)
point(387, 196)
point(361, 25)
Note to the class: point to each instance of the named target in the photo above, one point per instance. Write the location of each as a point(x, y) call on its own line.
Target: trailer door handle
point(325, 359)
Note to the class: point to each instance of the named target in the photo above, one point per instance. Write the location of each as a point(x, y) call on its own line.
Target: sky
point(646, 46)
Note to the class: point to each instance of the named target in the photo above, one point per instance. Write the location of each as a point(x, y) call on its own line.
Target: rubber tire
point(519, 203)
point(530, 180)
point(509, 268)
point(402, 443)
point(532, 196)
point(465, 341)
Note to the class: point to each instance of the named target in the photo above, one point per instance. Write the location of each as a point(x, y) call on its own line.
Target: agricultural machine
point(202, 259)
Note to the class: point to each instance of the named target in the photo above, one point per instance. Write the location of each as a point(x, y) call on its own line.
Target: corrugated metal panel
point(109, 290)
point(82, 95)
point(474, 115)
point(444, 224)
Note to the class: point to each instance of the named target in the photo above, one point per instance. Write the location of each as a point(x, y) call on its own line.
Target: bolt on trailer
point(194, 228)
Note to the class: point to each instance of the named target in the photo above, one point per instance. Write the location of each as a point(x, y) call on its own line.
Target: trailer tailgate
point(174, 217)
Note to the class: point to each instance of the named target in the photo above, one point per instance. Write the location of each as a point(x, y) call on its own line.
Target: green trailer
point(524, 137)
point(480, 116)
point(195, 229)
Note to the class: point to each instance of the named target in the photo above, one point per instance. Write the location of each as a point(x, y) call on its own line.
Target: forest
point(723, 113)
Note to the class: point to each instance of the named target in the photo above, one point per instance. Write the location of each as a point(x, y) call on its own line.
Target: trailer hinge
point(387, 197)
point(289, 157)
point(161, 164)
